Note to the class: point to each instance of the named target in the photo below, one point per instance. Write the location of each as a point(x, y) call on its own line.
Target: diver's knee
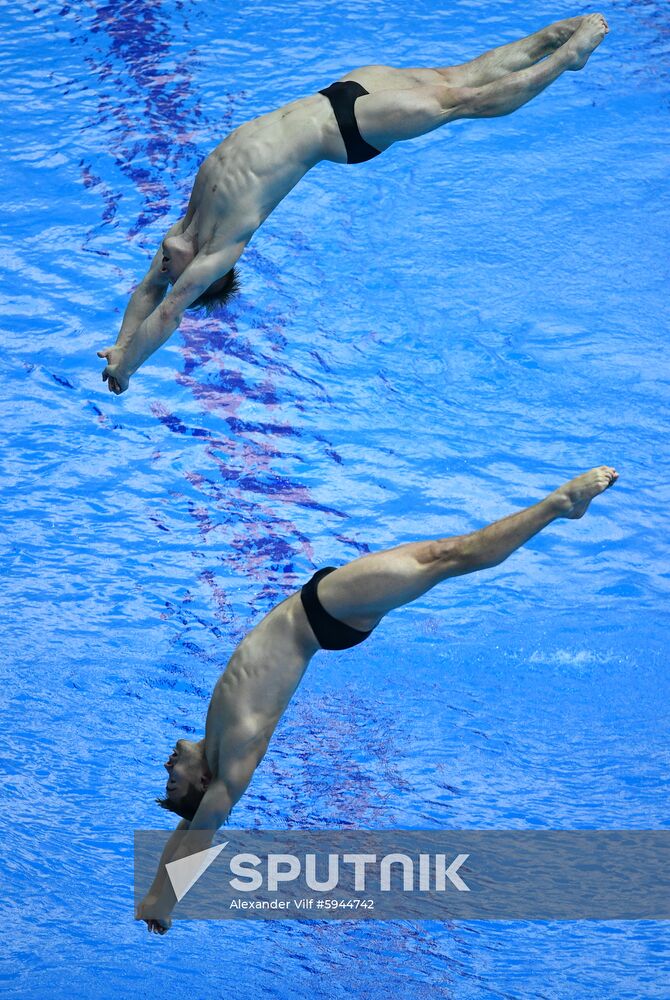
point(458, 102)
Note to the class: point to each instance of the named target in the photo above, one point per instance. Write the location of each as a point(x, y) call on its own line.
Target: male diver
point(353, 120)
point(336, 609)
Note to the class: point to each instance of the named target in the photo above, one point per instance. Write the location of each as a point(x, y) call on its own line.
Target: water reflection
point(149, 116)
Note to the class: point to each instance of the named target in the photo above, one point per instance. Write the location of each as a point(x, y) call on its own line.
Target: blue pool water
point(423, 343)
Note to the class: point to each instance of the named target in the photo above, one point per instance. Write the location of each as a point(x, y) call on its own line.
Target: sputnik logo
point(185, 873)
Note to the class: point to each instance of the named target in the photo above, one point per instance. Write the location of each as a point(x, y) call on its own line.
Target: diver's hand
point(116, 373)
point(156, 921)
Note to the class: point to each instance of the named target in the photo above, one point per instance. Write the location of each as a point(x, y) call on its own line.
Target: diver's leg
point(511, 58)
point(485, 68)
point(390, 116)
point(363, 591)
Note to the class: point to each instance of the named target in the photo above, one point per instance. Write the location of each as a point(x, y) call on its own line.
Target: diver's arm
point(167, 855)
point(147, 296)
point(137, 343)
point(196, 836)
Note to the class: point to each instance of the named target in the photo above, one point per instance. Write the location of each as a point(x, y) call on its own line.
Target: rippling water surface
point(423, 343)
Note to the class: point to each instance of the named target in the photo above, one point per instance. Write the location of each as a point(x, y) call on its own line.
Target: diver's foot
point(573, 498)
point(586, 38)
point(561, 31)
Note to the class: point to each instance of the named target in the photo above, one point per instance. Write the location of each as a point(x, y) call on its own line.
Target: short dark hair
point(187, 806)
point(218, 292)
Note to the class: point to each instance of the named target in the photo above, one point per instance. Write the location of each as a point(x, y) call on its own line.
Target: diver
point(353, 120)
point(337, 609)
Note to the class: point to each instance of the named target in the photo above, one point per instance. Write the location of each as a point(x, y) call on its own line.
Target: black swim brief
point(329, 632)
point(342, 97)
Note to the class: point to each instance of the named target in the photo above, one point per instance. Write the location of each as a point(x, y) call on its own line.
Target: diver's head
point(218, 292)
point(188, 778)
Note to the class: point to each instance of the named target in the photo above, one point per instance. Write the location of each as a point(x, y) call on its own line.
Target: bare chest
point(262, 675)
point(254, 168)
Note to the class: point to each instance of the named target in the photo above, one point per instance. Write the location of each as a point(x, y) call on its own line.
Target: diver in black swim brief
point(256, 166)
point(207, 777)
point(342, 97)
